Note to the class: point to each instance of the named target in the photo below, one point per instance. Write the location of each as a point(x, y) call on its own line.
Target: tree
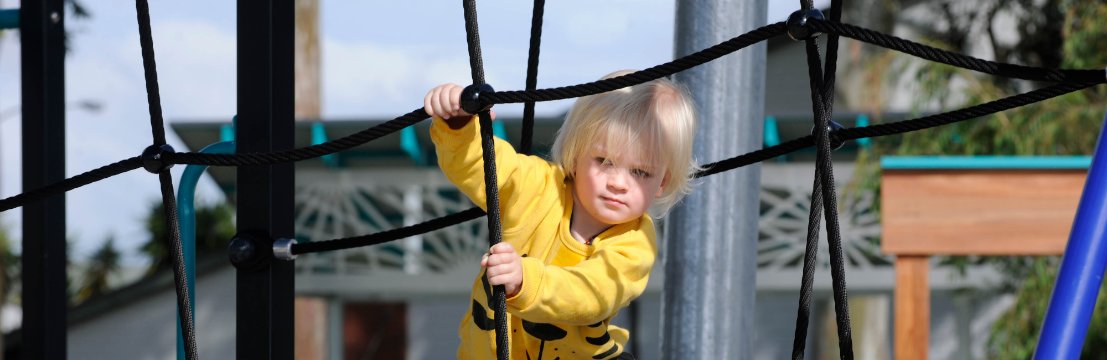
point(214, 228)
point(95, 279)
point(1049, 33)
point(9, 273)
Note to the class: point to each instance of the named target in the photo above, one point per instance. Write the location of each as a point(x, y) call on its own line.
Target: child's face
point(615, 190)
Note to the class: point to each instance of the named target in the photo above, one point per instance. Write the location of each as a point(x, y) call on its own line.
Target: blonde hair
point(657, 119)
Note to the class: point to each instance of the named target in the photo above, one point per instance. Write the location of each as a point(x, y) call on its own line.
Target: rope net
point(822, 76)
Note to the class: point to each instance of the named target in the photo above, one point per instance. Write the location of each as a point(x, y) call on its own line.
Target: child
point(578, 244)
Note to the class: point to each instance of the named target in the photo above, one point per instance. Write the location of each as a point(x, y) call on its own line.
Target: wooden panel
point(983, 212)
point(912, 333)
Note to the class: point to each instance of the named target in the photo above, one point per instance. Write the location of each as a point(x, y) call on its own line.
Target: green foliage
point(1069, 34)
point(1016, 332)
point(10, 265)
point(214, 228)
point(103, 263)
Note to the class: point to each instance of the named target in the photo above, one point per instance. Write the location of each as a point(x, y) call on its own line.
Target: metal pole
point(42, 38)
point(265, 123)
point(711, 237)
point(9, 19)
point(186, 215)
point(1074, 295)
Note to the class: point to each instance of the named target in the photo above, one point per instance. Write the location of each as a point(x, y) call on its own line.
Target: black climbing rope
point(154, 163)
point(498, 302)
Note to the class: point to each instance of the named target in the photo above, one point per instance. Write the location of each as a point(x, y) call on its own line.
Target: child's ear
point(664, 184)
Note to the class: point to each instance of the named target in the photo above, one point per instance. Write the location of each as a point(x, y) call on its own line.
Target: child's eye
point(640, 173)
point(602, 161)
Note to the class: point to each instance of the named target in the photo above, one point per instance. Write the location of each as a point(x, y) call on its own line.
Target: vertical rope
point(532, 74)
point(830, 198)
point(799, 342)
point(831, 57)
point(472, 38)
point(184, 299)
point(169, 203)
point(153, 96)
point(823, 195)
point(498, 302)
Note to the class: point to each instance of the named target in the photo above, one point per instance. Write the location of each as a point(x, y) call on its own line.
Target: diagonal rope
point(955, 59)
point(86, 178)
point(644, 75)
point(755, 156)
point(169, 203)
point(825, 167)
point(389, 235)
point(799, 341)
point(826, 91)
point(304, 153)
point(498, 302)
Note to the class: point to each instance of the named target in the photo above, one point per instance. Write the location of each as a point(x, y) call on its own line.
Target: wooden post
point(311, 311)
point(308, 98)
point(968, 206)
point(912, 307)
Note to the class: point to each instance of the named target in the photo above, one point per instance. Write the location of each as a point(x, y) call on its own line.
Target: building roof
point(409, 148)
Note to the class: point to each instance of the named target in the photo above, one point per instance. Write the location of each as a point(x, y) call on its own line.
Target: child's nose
point(617, 180)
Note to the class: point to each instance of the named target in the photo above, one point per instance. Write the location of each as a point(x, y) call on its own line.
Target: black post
point(265, 123)
point(42, 39)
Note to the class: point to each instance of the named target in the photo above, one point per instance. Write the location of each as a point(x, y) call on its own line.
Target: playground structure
point(969, 206)
point(265, 289)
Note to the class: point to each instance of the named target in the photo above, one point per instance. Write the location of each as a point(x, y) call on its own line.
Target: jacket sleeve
point(592, 290)
point(523, 180)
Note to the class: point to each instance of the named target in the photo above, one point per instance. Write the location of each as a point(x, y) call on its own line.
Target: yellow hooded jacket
point(570, 290)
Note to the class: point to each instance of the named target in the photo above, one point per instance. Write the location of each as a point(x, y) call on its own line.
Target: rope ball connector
point(247, 252)
point(153, 158)
point(797, 24)
point(835, 142)
point(282, 249)
point(471, 100)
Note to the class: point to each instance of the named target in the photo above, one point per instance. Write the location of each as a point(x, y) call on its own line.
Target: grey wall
point(146, 329)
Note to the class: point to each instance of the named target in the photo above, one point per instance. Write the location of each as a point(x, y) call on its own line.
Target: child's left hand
point(505, 267)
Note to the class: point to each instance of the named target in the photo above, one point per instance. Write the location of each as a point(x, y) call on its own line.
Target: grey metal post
point(710, 251)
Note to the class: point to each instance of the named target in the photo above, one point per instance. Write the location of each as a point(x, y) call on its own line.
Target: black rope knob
point(153, 158)
point(835, 141)
point(247, 252)
point(471, 100)
point(797, 24)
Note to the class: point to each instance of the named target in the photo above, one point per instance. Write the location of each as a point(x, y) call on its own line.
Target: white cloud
point(593, 29)
point(196, 63)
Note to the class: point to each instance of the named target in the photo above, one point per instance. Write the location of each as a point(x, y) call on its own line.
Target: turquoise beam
point(772, 132)
point(498, 130)
point(985, 162)
point(862, 121)
point(9, 19)
point(319, 136)
point(186, 215)
point(226, 132)
point(409, 142)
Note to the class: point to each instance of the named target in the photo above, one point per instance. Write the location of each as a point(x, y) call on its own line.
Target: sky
point(379, 58)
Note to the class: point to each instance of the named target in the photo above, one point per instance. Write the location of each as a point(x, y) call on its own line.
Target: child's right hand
point(504, 267)
point(444, 101)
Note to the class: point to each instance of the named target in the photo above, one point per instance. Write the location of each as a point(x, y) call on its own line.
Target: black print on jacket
point(544, 332)
point(541, 331)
